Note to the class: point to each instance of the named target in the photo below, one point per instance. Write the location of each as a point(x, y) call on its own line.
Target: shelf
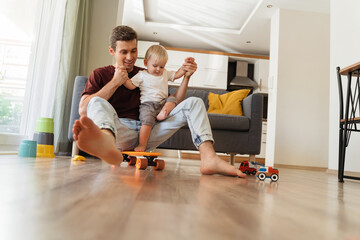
point(240, 55)
point(355, 68)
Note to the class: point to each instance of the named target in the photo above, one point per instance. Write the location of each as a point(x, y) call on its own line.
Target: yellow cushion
point(228, 103)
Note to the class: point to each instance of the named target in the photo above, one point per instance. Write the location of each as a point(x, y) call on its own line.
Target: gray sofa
point(232, 134)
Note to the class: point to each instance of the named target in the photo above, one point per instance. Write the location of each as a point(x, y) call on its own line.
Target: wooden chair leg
point(232, 159)
point(75, 149)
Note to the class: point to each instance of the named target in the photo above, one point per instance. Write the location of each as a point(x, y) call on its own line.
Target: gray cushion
point(229, 122)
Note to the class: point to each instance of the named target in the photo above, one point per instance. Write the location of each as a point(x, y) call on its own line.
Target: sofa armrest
point(79, 85)
point(253, 109)
point(252, 105)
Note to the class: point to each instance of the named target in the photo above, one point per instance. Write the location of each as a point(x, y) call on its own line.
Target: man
point(110, 112)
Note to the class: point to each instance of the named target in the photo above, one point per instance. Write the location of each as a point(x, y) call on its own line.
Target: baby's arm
point(181, 72)
point(134, 82)
point(129, 85)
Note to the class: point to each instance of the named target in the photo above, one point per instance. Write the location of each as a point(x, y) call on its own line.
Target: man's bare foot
point(95, 141)
point(218, 166)
point(162, 115)
point(140, 148)
point(212, 164)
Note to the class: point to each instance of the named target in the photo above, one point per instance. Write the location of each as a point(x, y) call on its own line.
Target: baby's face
point(155, 66)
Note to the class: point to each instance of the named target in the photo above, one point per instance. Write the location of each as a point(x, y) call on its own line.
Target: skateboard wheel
point(141, 163)
point(160, 164)
point(132, 160)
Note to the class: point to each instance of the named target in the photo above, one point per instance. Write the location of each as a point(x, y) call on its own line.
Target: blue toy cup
point(27, 148)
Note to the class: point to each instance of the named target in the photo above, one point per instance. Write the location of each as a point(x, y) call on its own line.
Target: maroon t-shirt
point(125, 102)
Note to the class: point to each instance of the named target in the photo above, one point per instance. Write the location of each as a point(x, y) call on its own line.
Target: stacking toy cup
point(27, 148)
point(44, 135)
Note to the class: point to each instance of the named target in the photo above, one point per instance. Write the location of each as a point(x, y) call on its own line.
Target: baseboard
point(8, 152)
point(348, 173)
point(319, 169)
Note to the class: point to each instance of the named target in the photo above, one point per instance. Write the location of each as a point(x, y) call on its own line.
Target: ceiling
point(233, 26)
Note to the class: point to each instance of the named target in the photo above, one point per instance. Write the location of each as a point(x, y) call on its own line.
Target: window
point(17, 24)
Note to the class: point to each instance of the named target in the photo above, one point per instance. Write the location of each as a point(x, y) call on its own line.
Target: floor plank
point(45, 198)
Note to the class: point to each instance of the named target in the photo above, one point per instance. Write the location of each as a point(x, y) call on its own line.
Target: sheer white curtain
point(41, 85)
point(73, 61)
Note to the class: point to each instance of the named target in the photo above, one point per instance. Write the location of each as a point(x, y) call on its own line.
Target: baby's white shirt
point(153, 88)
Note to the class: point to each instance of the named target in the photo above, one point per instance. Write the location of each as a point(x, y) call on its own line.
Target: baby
point(153, 84)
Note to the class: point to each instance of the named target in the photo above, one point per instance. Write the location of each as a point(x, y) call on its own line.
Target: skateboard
point(150, 159)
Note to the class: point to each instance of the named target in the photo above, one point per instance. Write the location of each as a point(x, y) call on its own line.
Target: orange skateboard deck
point(150, 159)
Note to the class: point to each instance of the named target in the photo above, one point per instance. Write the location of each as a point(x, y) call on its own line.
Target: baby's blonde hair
point(157, 51)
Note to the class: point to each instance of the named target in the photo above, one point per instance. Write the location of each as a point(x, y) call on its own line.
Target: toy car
point(268, 172)
point(247, 168)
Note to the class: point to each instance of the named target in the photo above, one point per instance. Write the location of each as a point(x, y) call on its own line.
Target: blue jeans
point(191, 111)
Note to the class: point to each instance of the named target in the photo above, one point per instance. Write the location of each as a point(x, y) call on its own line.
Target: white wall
point(103, 20)
point(298, 100)
point(272, 91)
point(345, 51)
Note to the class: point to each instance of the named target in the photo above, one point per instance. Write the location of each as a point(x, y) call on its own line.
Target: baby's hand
point(189, 60)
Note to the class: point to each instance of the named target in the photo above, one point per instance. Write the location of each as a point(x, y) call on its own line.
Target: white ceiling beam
point(250, 16)
point(200, 28)
point(193, 28)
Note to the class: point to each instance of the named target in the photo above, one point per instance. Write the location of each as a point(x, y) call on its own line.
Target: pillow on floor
point(228, 103)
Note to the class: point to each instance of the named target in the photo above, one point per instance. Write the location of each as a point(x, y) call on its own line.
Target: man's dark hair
point(121, 33)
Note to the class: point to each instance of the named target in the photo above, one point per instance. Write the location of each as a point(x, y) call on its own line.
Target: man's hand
point(120, 75)
point(189, 66)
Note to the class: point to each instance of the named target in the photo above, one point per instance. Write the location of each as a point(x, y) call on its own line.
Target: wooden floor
point(60, 199)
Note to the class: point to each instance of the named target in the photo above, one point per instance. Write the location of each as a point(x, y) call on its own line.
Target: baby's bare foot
point(95, 141)
point(140, 148)
point(162, 115)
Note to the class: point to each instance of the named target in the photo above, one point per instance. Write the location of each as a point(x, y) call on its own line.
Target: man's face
point(125, 53)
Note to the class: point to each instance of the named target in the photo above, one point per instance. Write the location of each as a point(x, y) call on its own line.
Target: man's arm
point(181, 91)
point(120, 76)
point(190, 67)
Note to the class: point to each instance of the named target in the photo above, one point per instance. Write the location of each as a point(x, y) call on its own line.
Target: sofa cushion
point(228, 103)
point(229, 122)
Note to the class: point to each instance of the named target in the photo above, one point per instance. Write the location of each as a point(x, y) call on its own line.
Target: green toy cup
point(44, 125)
point(27, 148)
